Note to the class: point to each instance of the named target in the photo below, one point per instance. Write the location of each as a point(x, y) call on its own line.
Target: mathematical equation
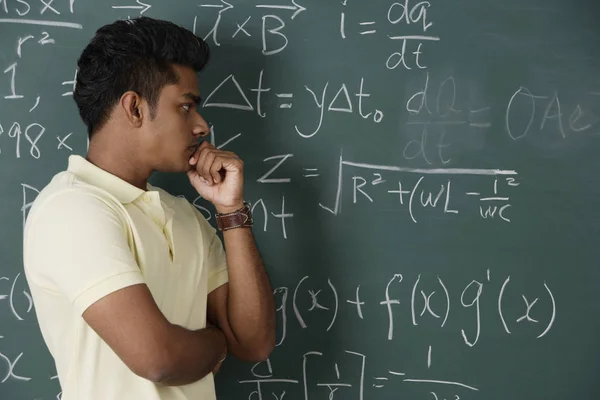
point(274, 39)
point(14, 289)
point(350, 381)
point(412, 302)
point(415, 304)
point(409, 22)
point(348, 374)
point(410, 197)
point(415, 200)
point(434, 117)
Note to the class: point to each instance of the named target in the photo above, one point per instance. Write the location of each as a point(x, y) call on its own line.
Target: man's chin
point(179, 167)
point(183, 168)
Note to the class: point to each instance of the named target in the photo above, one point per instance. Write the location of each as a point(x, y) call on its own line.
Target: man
point(135, 295)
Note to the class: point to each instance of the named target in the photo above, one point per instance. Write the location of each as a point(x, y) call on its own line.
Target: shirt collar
point(124, 191)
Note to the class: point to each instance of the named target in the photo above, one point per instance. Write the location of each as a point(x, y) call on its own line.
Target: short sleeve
point(215, 259)
point(75, 244)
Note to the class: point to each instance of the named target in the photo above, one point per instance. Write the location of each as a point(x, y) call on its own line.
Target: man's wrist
point(229, 209)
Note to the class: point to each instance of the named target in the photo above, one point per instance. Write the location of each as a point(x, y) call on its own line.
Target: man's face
point(177, 126)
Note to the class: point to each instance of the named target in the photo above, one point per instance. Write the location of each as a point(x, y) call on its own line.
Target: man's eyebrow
point(192, 96)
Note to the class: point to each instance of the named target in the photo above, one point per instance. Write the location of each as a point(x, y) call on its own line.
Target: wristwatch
point(241, 218)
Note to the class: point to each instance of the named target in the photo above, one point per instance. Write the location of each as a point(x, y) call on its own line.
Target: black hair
point(138, 55)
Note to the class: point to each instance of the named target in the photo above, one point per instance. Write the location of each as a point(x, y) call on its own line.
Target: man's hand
point(218, 176)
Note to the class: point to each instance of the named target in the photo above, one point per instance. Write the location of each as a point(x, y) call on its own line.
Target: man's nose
point(201, 127)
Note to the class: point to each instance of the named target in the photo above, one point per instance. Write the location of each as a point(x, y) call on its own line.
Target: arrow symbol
point(226, 4)
point(142, 6)
point(294, 6)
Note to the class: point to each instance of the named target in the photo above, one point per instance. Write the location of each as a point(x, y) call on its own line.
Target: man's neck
point(117, 160)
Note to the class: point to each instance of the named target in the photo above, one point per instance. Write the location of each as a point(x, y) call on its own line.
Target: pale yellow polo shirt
point(89, 233)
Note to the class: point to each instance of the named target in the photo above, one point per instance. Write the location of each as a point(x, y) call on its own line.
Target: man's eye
point(187, 107)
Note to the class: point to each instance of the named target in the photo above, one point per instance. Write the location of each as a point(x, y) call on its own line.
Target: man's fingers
point(202, 154)
point(205, 145)
point(195, 158)
point(215, 168)
point(230, 153)
point(215, 165)
point(204, 167)
point(211, 161)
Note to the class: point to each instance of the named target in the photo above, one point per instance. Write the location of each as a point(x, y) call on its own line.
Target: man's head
point(137, 80)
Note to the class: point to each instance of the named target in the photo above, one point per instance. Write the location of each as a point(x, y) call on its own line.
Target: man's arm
point(130, 322)
point(74, 244)
point(244, 308)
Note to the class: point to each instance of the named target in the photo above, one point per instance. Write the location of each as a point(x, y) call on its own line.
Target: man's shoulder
point(66, 190)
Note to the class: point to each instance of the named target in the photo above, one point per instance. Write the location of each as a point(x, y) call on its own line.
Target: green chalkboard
point(424, 177)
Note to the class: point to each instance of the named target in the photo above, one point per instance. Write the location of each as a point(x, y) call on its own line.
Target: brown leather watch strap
point(241, 218)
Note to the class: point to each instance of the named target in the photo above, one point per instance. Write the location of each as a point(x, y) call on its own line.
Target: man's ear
point(132, 105)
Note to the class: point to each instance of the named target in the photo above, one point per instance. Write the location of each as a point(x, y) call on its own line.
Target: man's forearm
point(250, 305)
point(191, 355)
